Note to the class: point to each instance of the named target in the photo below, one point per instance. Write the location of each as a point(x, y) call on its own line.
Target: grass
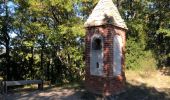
point(153, 81)
point(75, 85)
point(152, 78)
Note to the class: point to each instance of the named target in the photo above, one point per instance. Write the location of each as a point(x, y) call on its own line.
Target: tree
point(5, 29)
point(158, 29)
point(49, 26)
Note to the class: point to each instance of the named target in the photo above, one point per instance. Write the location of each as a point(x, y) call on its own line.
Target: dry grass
point(151, 78)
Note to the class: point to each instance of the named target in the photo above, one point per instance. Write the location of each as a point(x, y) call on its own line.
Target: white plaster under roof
point(104, 13)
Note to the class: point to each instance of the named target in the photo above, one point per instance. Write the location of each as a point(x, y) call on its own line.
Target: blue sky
point(11, 7)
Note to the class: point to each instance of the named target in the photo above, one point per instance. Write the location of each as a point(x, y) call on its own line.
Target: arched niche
point(96, 59)
point(117, 55)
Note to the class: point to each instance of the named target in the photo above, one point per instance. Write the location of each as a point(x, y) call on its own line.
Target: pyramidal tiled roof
point(104, 13)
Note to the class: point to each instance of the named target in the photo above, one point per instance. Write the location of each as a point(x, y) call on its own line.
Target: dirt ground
point(140, 86)
point(56, 93)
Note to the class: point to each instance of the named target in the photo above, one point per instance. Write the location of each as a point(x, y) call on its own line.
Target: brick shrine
point(105, 50)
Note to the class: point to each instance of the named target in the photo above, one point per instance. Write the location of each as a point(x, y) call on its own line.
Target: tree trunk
point(6, 40)
point(32, 62)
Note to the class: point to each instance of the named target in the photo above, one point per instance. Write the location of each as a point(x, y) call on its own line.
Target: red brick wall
point(106, 84)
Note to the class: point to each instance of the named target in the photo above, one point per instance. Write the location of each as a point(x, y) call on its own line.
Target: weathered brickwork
point(106, 84)
point(106, 21)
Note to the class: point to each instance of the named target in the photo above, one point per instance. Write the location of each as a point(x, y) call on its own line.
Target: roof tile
point(104, 13)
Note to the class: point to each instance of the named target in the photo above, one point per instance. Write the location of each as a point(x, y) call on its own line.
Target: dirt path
point(133, 92)
point(51, 94)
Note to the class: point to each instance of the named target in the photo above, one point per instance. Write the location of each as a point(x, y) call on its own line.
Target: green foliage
point(134, 54)
point(49, 41)
point(165, 31)
point(137, 58)
point(148, 34)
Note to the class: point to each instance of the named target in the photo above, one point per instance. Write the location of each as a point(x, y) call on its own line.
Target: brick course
point(106, 84)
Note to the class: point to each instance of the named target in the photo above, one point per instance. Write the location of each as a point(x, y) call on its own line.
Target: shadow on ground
point(140, 92)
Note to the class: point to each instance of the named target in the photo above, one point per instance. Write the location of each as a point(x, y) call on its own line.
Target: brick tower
point(105, 50)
